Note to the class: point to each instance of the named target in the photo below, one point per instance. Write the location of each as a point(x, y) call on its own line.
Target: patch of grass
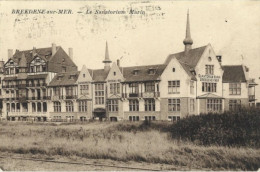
point(147, 142)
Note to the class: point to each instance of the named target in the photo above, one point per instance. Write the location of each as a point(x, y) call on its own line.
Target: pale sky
point(231, 27)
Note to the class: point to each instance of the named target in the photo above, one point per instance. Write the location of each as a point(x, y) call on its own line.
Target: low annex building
point(44, 84)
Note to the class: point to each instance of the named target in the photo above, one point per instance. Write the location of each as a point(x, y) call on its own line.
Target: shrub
point(241, 128)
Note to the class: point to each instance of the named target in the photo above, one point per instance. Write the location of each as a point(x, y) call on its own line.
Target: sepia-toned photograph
point(129, 85)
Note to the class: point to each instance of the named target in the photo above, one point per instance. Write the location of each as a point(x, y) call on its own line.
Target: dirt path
point(10, 164)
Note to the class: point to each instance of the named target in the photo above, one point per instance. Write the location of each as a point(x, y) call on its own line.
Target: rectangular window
point(99, 94)
point(133, 118)
point(112, 105)
point(234, 105)
point(69, 106)
point(133, 89)
point(174, 118)
point(149, 105)
point(191, 87)
point(214, 105)
point(82, 106)
point(149, 86)
point(192, 105)
point(38, 68)
point(209, 87)
point(149, 118)
point(133, 105)
point(84, 89)
point(234, 88)
point(69, 91)
point(209, 69)
point(56, 91)
point(114, 88)
point(57, 106)
point(174, 105)
point(174, 86)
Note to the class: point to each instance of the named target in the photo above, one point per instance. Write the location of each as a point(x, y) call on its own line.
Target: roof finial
point(188, 41)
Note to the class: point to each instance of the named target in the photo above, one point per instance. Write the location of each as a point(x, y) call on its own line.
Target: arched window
point(44, 107)
point(33, 107)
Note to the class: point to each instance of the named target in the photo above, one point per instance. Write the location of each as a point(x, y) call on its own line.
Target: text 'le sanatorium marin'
point(69, 11)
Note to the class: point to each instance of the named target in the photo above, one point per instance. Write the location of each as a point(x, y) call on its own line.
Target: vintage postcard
point(129, 85)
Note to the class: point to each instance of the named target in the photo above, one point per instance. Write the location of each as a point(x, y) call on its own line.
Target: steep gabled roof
point(143, 75)
point(191, 58)
point(44, 53)
point(234, 73)
point(65, 79)
point(98, 75)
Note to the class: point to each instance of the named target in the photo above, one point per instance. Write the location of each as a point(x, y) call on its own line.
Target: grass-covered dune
point(157, 142)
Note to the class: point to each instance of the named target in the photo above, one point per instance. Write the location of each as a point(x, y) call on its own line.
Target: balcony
point(151, 94)
point(71, 97)
point(251, 98)
point(133, 95)
point(22, 86)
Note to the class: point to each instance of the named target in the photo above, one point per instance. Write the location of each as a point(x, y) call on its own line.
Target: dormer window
point(135, 72)
point(151, 71)
point(72, 77)
point(59, 77)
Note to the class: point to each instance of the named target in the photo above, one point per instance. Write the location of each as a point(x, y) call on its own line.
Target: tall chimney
point(53, 49)
point(71, 53)
point(118, 62)
point(34, 51)
point(10, 53)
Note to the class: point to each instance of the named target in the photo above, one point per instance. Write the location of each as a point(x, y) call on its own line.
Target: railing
point(142, 95)
point(71, 97)
point(9, 86)
point(36, 85)
point(251, 97)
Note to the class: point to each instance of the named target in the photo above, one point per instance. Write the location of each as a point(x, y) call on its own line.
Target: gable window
point(234, 88)
point(99, 93)
point(63, 69)
point(82, 105)
point(234, 105)
point(174, 105)
point(209, 87)
point(84, 75)
point(69, 106)
point(83, 89)
point(149, 87)
point(112, 105)
point(31, 69)
point(209, 69)
point(114, 88)
point(174, 86)
point(11, 71)
point(149, 105)
point(133, 105)
point(38, 68)
point(114, 73)
point(173, 69)
point(57, 106)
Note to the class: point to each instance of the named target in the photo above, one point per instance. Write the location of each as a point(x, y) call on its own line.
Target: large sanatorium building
point(45, 84)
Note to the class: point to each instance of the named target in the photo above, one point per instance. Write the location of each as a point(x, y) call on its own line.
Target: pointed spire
point(188, 41)
point(107, 61)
